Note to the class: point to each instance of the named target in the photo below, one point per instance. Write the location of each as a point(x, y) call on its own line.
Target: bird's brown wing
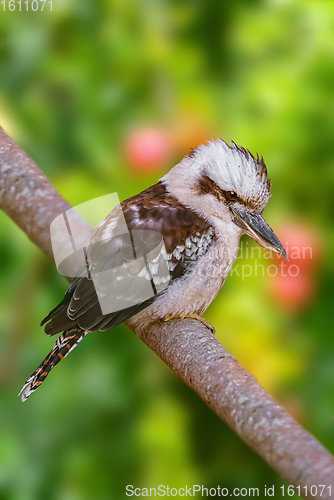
point(150, 227)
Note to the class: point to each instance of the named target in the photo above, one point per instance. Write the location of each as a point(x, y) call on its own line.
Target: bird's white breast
point(196, 289)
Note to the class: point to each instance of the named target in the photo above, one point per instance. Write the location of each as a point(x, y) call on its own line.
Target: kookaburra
point(200, 209)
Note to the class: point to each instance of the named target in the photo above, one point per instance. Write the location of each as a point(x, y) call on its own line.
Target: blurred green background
point(106, 96)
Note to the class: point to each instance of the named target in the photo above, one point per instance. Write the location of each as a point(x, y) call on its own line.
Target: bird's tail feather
point(67, 341)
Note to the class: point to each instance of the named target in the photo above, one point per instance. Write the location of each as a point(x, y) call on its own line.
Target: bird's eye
point(232, 195)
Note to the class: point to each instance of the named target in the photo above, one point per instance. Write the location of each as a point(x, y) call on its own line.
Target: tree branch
point(186, 346)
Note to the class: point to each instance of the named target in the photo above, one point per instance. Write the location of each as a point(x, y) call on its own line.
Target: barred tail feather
point(67, 341)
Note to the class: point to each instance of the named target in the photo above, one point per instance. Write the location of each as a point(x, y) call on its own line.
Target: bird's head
point(229, 187)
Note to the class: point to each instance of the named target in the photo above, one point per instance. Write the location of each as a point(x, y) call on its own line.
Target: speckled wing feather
point(114, 256)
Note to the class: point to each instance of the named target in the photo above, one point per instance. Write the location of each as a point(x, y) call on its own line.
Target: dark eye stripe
point(207, 186)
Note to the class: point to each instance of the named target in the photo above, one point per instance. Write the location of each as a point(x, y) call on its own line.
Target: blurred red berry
point(301, 243)
point(293, 287)
point(147, 149)
point(292, 292)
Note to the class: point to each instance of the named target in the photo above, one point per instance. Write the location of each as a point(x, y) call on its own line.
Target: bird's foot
point(193, 316)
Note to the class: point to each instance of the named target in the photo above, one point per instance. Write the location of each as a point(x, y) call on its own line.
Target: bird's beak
point(259, 230)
